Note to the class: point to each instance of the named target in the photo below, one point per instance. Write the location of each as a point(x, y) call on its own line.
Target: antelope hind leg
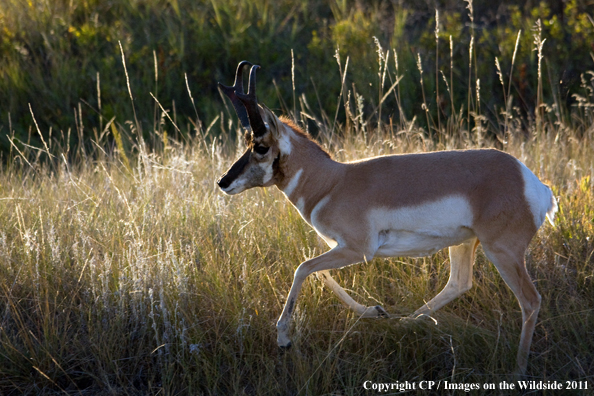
point(361, 310)
point(460, 281)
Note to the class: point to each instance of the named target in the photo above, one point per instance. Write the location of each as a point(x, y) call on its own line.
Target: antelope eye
point(261, 149)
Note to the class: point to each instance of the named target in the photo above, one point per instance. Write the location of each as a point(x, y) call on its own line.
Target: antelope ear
point(274, 124)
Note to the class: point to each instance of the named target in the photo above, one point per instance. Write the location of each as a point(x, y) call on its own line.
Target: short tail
point(552, 209)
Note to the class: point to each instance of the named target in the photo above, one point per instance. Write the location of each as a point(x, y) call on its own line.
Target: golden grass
point(131, 273)
point(147, 279)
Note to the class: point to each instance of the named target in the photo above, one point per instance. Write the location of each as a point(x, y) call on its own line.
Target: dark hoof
point(381, 313)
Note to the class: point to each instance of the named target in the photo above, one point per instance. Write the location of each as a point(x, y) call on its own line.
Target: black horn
point(251, 105)
point(232, 92)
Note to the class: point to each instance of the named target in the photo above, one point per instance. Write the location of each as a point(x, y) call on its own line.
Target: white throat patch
point(293, 183)
point(268, 172)
point(284, 141)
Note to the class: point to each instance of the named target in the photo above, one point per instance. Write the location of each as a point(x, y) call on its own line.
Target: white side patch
point(293, 183)
point(315, 211)
point(268, 172)
point(318, 226)
point(420, 230)
point(300, 206)
point(539, 197)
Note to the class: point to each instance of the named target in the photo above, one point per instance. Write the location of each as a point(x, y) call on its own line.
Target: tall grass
point(126, 271)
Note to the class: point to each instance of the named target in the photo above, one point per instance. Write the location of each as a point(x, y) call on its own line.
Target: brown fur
point(486, 176)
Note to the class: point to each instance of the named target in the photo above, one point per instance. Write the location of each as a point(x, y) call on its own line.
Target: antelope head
point(259, 164)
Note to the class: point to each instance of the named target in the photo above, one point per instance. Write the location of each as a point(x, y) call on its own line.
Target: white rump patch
point(293, 183)
point(421, 230)
point(539, 197)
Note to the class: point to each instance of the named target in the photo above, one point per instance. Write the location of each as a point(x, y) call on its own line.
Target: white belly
point(420, 230)
point(400, 243)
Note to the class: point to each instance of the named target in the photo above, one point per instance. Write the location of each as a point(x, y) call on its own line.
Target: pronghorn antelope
point(396, 205)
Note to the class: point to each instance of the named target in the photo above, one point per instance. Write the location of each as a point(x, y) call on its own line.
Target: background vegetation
point(61, 60)
point(123, 269)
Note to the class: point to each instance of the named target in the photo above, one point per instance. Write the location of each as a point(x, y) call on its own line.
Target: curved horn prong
point(252, 82)
point(251, 105)
point(238, 88)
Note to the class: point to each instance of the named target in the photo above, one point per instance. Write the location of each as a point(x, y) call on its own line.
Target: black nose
point(224, 182)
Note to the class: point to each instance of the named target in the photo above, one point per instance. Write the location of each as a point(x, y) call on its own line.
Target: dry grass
point(120, 281)
point(131, 273)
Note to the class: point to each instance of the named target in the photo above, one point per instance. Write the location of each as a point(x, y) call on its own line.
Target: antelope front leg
point(336, 258)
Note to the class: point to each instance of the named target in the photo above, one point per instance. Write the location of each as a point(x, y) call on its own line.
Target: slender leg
point(336, 258)
point(512, 267)
point(363, 311)
point(460, 281)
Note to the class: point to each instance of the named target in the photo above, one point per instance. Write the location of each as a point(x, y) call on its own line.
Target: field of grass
point(125, 271)
point(133, 274)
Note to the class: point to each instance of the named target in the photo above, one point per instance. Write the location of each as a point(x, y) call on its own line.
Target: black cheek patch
point(236, 169)
point(276, 169)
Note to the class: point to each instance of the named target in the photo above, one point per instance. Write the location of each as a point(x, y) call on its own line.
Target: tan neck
point(309, 173)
